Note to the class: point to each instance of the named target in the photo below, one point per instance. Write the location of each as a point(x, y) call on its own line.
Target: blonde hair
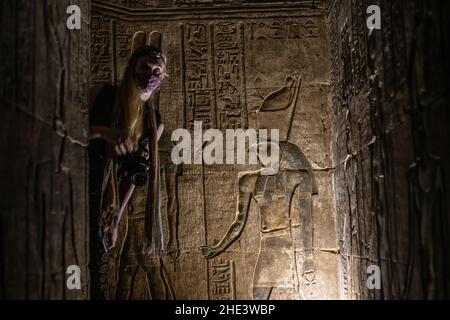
point(128, 114)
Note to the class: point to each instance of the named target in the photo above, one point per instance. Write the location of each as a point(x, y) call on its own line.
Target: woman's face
point(148, 73)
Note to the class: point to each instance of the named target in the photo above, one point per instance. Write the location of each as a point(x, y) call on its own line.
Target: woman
point(131, 130)
point(130, 120)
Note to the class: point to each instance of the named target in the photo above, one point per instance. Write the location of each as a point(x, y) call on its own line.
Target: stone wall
point(43, 185)
point(391, 147)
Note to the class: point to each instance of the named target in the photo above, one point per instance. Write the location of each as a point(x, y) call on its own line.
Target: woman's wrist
point(96, 132)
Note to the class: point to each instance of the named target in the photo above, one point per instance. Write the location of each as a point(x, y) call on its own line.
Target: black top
point(101, 112)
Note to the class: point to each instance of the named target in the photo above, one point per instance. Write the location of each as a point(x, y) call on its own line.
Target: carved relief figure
point(138, 174)
point(279, 196)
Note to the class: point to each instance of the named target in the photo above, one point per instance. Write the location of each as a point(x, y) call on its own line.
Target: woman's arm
point(117, 139)
point(95, 132)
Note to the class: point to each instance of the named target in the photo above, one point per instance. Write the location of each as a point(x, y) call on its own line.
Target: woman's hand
point(110, 237)
point(117, 139)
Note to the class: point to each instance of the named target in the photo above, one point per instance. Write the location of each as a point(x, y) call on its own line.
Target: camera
point(134, 165)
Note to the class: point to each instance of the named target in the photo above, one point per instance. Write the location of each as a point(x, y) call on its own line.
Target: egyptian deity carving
point(279, 196)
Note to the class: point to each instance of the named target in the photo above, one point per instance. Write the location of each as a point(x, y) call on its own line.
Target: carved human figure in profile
point(283, 195)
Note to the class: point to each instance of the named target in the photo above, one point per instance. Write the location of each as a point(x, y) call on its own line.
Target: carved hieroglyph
point(214, 75)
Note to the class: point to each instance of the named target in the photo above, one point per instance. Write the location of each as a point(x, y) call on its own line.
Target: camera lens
point(139, 179)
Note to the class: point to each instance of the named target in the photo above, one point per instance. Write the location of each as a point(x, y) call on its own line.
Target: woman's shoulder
point(101, 90)
point(101, 102)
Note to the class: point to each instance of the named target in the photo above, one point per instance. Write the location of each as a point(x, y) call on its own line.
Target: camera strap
point(153, 219)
